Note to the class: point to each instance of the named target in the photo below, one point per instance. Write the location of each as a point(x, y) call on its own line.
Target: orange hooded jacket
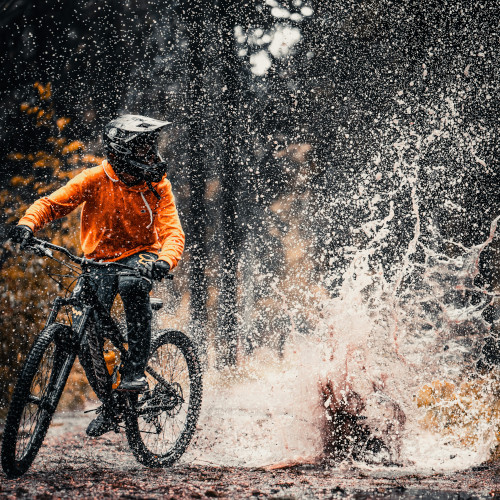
point(116, 220)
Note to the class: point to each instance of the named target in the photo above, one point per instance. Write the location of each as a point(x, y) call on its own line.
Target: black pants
point(134, 292)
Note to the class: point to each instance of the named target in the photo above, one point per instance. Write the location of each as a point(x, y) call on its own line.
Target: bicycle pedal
point(156, 304)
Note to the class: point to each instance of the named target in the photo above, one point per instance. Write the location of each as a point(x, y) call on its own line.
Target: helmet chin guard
point(131, 143)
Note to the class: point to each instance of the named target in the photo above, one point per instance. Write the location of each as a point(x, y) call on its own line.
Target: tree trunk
point(227, 341)
point(195, 23)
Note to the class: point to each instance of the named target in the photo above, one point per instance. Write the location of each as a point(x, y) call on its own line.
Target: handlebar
point(42, 247)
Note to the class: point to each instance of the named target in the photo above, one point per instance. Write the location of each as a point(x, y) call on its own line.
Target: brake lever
point(40, 250)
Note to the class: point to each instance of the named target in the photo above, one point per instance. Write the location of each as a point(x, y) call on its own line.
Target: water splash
point(389, 338)
point(376, 278)
point(350, 388)
point(265, 412)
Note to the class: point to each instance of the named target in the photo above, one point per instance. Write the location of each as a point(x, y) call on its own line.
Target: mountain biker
point(128, 216)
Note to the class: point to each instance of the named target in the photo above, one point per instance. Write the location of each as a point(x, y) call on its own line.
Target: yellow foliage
point(467, 412)
point(45, 92)
point(26, 289)
point(47, 162)
point(31, 110)
point(16, 156)
point(44, 118)
point(77, 390)
point(18, 181)
point(86, 159)
point(434, 392)
point(62, 156)
point(41, 188)
point(62, 122)
point(59, 142)
point(97, 160)
point(72, 147)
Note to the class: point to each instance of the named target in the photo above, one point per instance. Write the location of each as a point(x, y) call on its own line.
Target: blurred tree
point(195, 16)
point(229, 137)
point(245, 82)
point(46, 160)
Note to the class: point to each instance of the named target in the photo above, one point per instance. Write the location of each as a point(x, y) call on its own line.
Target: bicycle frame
point(84, 300)
point(159, 422)
point(86, 306)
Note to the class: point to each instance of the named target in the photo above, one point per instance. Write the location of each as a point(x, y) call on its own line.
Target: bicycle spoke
point(168, 367)
point(165, 419)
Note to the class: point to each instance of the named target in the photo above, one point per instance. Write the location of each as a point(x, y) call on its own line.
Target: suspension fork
point(52, 400)
point(81, 316)
point(54, 311)
point(63, 374)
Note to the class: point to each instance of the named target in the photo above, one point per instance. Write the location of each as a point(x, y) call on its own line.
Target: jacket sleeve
point(58, 204)
point(168, 226)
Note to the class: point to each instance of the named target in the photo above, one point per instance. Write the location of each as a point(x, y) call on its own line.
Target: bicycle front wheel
point(34, 401)
point(161, 422)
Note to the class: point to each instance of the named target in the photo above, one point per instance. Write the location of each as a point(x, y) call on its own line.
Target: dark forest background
point(341, 111)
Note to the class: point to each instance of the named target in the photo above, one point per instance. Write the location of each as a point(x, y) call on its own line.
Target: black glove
point(161, 269)
point(156, 270)
point(21, 234)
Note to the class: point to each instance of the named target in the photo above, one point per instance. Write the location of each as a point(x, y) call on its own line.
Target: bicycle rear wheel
point(162, 421)
point(34, 401)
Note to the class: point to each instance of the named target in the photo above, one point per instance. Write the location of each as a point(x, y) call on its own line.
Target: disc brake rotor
point(161, 399)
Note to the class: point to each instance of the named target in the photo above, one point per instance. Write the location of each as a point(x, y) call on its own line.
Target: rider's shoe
point(104, 422)
point(137, 384)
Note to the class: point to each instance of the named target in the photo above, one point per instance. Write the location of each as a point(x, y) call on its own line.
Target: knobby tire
point(92, 360)
point(161, 422)
point(36, 395)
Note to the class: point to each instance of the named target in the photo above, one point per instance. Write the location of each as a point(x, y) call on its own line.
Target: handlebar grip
point(40, 250)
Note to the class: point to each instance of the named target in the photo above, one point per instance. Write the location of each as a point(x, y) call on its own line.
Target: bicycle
point(159, 423)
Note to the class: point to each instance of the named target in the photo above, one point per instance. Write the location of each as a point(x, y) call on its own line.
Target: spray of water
point(387, 370)
point(389, 375)
point(396, 343)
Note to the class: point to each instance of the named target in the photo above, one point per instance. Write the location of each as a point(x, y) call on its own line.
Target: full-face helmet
point(131, 144)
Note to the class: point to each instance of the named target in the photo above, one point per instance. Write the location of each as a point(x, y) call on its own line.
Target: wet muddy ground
point(70, 465)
